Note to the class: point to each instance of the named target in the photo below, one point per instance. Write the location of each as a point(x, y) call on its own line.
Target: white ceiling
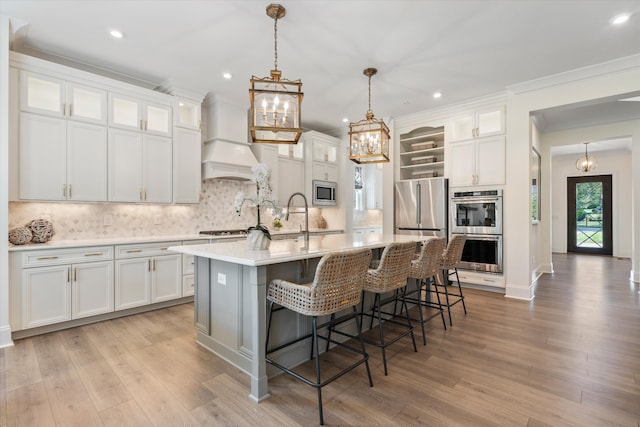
point(464, 49)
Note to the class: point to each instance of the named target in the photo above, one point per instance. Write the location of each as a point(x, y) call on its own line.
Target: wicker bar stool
point(424, 269)
point(337, 285)
point(449, 261)
point(391, 274)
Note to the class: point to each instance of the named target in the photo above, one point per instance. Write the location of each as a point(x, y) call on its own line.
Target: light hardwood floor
point(570, 357)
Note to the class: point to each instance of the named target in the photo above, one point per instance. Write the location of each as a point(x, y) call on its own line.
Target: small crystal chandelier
point(275, 101)
point(586, 163)
point(369, 138)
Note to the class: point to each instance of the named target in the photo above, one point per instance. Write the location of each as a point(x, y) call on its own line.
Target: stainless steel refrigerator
point(422, 207)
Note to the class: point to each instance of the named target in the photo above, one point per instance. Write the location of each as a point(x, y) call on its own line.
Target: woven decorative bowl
point(20, 235)
point(41, 229)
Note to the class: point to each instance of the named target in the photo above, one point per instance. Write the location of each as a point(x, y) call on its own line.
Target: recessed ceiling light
point(345, 120)
point(620, 19)
point(116, 34)
point(437, 95)
point(227, 76)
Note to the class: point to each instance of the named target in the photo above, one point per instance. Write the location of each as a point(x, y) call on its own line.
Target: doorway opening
point(589, 215)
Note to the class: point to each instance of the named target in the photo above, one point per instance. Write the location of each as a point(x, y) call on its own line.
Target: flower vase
point(256, 239)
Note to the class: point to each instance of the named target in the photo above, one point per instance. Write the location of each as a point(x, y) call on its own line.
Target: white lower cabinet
point(56, 286)
point(49, 286)
point(146, 274)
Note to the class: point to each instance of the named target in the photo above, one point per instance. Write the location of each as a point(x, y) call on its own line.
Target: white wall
point(616, 163)
point(615, 77)
point(5, 329)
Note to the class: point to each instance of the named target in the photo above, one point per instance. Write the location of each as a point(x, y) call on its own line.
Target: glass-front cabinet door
point(188, 114)
point(135, 114)
point(86, 104)
point(53, 97)
point(125, 112)
point(42, 94)
point(157, 119)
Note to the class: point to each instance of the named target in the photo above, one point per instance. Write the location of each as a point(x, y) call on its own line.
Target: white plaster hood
point(226, 152)
point(227, 160)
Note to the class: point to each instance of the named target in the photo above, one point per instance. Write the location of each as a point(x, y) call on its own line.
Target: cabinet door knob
point(70, 110)
point(70, 193)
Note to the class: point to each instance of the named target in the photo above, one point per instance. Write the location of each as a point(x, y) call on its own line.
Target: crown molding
point(591, 71)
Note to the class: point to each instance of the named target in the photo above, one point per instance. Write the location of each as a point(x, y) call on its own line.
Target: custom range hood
point(226, 152)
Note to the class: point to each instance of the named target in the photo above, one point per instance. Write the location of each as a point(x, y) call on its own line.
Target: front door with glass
point(589, 214)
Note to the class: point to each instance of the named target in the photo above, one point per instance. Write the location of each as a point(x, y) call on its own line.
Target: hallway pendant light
point(275, 101)
point(369, 138)
point(586, 163)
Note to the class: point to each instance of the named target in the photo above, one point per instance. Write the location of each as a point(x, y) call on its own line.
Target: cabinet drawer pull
point(163, 249)
point(64, 190)
point(70, 110)
point(488, 280)
point(68, 274)
point(149, 266)
point(75, 274)
point(46, 257)
point(133, 251)
point(95, 254)
point(70, 193)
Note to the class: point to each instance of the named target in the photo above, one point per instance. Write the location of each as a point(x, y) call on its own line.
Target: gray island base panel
point(231, 297)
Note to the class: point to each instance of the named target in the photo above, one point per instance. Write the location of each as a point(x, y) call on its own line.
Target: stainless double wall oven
point(478, 214)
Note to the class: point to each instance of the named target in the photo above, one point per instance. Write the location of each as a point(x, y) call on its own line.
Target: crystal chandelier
point(369, 138)
point(275, 101)
point(586, 163)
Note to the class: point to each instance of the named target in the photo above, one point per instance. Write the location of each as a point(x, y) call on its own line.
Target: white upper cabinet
point(187, 154)
point(477, 162)
point(140, 167)
point(61, 160)
point(477, 124)
point(292, 151)
point(188, 114)
point(54, 97)
point(135, 114)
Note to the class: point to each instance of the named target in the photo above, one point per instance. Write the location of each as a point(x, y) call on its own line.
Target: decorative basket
point(41, 229)
point(20, 235)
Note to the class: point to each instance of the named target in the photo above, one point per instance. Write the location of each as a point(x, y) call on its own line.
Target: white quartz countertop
point(124, 240)
point(291, 250)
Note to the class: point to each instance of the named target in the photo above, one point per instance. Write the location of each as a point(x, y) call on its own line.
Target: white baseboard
point(5, 337)
point(520, 292)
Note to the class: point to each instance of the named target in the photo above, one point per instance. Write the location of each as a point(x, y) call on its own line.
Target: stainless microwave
point(324, 193)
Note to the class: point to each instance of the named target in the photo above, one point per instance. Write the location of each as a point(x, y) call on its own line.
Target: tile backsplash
point(79, 221)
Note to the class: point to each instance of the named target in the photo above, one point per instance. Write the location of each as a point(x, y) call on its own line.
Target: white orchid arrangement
point(262, 175)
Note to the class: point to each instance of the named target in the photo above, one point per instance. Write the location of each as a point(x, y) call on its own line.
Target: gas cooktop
point(239, 232)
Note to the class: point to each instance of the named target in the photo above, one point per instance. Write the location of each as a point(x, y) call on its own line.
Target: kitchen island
point(230, 296)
